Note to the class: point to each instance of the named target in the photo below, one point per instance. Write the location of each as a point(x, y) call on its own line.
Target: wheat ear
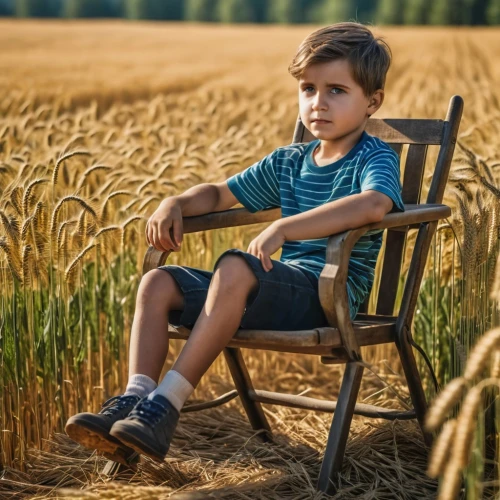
point(59, 162)
point(88, 172)
point(466, 424)
point(10, 259)
point(26, 270)
point(480, 353)
point(86, 207)
point(442, 404)
point(78, 258)
point(450, 486)
point(441, 449)
point(27, 194)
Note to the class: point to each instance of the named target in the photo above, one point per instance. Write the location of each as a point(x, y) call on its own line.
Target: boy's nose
point(319, 102)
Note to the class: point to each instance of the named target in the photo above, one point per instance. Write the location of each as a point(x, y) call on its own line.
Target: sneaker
point(149, 427)
point(92, 429)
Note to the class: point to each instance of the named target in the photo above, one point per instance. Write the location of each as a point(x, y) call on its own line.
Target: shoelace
point(121, 402)
point(148, 411)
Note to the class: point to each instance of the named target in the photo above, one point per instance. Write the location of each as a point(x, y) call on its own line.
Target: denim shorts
point(286, 299)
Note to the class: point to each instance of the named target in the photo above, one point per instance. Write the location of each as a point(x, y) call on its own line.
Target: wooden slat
point(243, 384)
point(302, 402)
point(413, 173)
point(308, 403)
point(414, 214)
point(445, 155)
point(391, 269)
point(320, 341)
point(406, 131)
point(395, 240)
point(391, 130)
point(223, 399)
point(397, 148)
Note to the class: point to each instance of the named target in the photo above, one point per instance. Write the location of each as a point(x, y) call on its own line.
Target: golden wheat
point(442, 449)
point(479, 356)
point(446, 400)
point(188, 125)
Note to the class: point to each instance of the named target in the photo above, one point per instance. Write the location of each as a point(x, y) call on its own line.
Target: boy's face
point(328, 92)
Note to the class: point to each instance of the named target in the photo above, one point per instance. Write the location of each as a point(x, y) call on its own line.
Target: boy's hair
point(368, 56)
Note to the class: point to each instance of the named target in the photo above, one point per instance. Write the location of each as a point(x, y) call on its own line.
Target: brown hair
point(368, 56)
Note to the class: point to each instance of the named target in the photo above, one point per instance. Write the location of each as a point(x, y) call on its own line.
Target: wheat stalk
point(86, 207)
point(78, 259)
point(87, 172)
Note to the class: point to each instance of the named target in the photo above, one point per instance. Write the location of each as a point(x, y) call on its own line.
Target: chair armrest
point(213, 220)
point(332, 286)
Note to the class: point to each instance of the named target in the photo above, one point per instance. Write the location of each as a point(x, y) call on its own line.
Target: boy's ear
point(375, 101)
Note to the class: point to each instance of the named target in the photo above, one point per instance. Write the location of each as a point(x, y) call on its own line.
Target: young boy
point(342, 180)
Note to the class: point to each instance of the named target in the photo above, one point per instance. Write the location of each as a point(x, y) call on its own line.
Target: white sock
point(175, 388)
point(140, 385)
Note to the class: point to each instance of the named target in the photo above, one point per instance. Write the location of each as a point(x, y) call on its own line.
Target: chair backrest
point(417, 135)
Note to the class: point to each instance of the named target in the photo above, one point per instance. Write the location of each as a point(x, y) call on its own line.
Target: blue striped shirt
point(290, 179)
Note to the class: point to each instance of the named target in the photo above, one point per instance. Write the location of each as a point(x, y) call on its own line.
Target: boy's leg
point(150, 426)
point(232, 283)
point(158, 293)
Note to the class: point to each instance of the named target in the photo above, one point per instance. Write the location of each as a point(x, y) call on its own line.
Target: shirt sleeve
point(381, 173)
point(257, 187)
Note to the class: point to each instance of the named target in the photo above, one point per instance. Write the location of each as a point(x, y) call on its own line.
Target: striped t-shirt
point(290, 179)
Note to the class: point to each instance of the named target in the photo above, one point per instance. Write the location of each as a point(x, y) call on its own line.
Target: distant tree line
point(398, 12)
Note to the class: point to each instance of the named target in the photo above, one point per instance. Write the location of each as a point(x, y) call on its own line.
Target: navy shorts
point(286, 299)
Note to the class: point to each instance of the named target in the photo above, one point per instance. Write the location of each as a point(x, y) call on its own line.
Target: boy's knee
point(234, 270)
point(156, 285)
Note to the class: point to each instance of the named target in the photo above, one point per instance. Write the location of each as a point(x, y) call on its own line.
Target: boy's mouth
point(320, 121)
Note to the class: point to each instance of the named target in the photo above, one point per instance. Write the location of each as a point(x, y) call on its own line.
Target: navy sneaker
point(149, 427)
point(92, 429)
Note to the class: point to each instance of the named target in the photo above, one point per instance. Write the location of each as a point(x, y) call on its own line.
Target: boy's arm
point(336, 216)
point(205, 198)
point(164, 229)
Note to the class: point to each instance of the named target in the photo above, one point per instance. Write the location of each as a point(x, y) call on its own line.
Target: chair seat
point(369, 330)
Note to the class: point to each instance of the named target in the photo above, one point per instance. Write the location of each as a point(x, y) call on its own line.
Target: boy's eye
point(335, 90)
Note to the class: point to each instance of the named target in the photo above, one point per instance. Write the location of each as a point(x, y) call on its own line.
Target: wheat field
point(99, 121)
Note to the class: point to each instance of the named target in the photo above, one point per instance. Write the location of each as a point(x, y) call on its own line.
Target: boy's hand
point(268, 242)
point(164, 228)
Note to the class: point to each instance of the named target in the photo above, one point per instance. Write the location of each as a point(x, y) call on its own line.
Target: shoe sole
point(96, 439)
point(137, 445)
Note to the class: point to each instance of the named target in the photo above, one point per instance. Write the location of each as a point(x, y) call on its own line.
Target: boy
point(342, 180)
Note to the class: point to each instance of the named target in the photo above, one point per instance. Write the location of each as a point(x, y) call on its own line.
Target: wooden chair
point(341, 341)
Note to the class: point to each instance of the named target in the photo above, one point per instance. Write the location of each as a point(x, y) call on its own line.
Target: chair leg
point(339, 430)
point(244, 385)
point(414, 385)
